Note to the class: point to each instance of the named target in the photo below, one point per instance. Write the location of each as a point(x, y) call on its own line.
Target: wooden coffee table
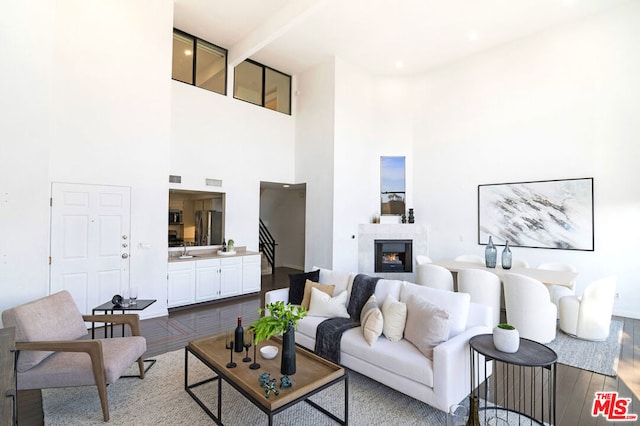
point(313, 374)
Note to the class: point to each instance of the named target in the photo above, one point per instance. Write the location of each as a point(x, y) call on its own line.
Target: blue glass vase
point(506, 257)
point(490, 254)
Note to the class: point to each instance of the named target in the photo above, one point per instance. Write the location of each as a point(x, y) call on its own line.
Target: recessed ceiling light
point(188, 52)
point(473, 36)
point(568, 3)
point(399, 64)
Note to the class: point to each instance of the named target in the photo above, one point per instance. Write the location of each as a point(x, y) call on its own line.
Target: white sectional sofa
point(439, 382)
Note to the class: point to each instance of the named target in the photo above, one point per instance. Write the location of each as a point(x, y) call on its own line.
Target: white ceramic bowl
point(269, 352)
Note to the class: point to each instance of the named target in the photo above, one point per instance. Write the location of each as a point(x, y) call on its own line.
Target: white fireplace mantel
point(369, 232)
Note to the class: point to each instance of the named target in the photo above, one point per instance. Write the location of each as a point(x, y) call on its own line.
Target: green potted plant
point(280, 319)
point(506, 338)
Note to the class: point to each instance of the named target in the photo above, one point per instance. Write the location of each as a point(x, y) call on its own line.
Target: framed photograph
point(555, 214)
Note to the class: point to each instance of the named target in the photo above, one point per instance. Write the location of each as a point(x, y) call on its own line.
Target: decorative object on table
point(506, 256)
point(230, 245)
point(247, 344)
point(264, 379)
point(506, 338)
point(268, 384)
point(229, 345)
point(268, 352)
point(281, 319)
point(562, 211)
point(285, 382)
point(239, 336)
point(404, 218)
point(457, 415)
point(133, 295)
point(224, 245)
point(411, 218)
point(116, 300)
point(490, 254)
point(474, 417)
point(254, 365)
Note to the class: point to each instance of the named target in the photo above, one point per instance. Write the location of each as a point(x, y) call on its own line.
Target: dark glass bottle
point(490, 254)
point(474, 416)
point(224, 245)
point(506, 257)
point(238, 339)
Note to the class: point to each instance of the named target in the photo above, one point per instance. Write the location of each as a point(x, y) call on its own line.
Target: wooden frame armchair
point(55, 352)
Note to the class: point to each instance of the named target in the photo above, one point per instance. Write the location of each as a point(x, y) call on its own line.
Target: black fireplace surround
point(393, 255)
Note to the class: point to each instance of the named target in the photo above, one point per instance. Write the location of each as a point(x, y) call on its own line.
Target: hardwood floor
point(575, 387)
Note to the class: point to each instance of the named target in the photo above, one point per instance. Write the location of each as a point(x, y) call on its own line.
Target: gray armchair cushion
point(64, 369)
point(55, 317)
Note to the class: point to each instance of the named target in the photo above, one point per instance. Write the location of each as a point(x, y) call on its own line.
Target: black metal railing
point(268, 246)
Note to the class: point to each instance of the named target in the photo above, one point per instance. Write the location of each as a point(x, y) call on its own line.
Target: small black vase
point(288, 363)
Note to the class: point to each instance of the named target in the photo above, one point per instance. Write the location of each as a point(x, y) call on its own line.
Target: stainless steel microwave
point(175, 217)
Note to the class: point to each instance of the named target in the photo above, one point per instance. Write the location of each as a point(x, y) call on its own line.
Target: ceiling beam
point(273, 27)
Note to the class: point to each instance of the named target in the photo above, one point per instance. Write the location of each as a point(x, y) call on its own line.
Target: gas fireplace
point(393, 255)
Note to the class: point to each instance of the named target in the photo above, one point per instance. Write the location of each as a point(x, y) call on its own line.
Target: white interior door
point(90, 241)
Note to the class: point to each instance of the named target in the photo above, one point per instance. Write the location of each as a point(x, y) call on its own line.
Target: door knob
point(125, 255)
point(124, 237)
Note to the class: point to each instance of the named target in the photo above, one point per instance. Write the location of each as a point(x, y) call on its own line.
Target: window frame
point(264, 77)
point(194, 68)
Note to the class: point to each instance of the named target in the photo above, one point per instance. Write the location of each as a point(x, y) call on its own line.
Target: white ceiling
point(293, 35)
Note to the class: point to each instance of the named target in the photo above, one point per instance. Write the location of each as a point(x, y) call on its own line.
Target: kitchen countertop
point(174, 256)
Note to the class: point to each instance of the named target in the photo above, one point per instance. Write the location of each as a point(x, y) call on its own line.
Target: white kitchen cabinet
point(230, 276)
point(251, 274)
point(181, 283)
point(207, 285)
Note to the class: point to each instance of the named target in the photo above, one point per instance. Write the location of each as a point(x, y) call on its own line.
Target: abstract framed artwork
point(556, 214)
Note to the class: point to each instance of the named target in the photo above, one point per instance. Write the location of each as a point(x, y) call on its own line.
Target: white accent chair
point(529, 309)
point(518, 263)
point(421, 260)
point(435, 276)
point(589, 317)
point(472, 258)
point(484, 288)
point(559, 291)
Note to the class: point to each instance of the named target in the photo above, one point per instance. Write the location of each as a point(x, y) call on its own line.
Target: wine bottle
point(474, 418)
point(239, 337)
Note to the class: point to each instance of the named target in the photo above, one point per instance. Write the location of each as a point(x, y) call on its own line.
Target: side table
point(110, 307)
point(526, 387)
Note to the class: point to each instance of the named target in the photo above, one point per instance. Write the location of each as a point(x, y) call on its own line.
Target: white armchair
point(529, 308)
point(435, 276)
point(589, 317)
point(484, 288)
point(559, 291)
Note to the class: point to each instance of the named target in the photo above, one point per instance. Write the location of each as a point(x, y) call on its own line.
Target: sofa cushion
point(394, 314)
point(427, 324)
point(297, 283)
point(308, 326)
point(401, 358)
point(55, 317)
point(371, 320)
point(342, 280)
point(323, 305)
point(306, 299)
point(457, 304)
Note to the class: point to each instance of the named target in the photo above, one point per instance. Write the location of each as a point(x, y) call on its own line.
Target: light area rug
point(160, 399)
point(599, 357)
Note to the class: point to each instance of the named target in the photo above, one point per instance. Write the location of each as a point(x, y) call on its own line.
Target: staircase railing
point(268, 246)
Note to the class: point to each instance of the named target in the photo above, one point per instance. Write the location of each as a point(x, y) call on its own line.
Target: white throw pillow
point(371, 320)
point(427, 324)
point(323, 305)
point(394, 315)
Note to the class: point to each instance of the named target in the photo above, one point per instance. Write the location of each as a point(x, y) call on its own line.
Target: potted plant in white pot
point(281, 320)
point(506, 338)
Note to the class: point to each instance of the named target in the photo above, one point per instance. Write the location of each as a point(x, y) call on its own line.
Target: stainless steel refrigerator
point(208, 227)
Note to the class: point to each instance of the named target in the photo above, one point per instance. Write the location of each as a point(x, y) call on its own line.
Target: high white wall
point(314, 155)
point(561, 104)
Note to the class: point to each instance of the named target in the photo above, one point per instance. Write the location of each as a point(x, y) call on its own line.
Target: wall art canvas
point(544, 214)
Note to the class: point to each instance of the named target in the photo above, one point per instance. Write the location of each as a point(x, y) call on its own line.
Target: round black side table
point(524, 392)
